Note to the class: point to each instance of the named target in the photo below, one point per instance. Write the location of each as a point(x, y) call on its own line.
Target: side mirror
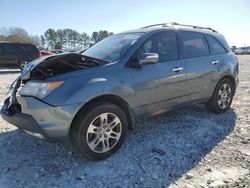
point(148, 58)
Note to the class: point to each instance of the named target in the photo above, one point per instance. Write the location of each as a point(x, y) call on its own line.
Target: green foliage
point(72, 40)
point(54, 39)
point(58, 46)
point(98, 36)
point(51, 37)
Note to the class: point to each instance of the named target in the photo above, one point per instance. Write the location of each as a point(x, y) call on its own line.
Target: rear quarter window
point(193, 45)
point(216, 46)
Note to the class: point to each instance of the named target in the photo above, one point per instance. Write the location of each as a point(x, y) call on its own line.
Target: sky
point(229, 17)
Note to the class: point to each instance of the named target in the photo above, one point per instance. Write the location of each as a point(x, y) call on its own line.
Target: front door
point(160, 86)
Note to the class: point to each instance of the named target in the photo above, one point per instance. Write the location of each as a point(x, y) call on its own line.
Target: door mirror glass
point(148, 58)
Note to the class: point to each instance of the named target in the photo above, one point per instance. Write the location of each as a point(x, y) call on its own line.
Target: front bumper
point(23, 121)
point(40, 119)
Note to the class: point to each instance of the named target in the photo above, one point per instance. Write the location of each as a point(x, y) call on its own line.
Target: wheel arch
point(231, 78)
point(114, 99)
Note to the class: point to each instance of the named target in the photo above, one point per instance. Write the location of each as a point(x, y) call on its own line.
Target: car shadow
point(184, 138)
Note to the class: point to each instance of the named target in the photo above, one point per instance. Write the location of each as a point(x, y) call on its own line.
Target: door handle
point(215, 62)
point(177, 69)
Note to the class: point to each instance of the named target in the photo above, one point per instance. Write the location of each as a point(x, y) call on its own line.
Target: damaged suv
point(93, 98)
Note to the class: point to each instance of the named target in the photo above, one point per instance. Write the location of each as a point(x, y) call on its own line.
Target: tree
point(15, 34)
point(95, 36)
point(102, 35)
point(60, 37)
point(51, 37)
point(74, 39)
point(67, 36)
point(58, 46)
point(43, 42)
point(98, 36)
point(85, 39)
point(35, 40)
point(70, 39)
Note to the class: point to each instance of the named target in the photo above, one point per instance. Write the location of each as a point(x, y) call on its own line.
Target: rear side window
point(27, 49)
point(216, 47)
point(164, 44)
point(8, 49)
point(193, 45)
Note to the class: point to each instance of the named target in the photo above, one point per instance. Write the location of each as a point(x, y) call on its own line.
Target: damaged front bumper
point(23, 121)
point(37, 118)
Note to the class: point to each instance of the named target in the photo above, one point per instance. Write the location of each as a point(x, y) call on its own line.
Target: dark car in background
point(17, 54)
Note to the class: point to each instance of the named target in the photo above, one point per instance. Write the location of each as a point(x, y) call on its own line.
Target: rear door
point(200, 69)
point(160, 86)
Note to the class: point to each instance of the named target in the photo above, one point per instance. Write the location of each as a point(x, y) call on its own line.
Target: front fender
point(77, 91)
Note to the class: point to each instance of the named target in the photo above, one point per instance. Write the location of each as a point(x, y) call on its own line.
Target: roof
point(175, 26)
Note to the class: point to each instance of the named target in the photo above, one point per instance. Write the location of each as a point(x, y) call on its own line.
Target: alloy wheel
point(104, 132)
point(24, 64)
point(224, 96)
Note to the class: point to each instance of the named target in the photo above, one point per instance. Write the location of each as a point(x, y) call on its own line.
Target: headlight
point(39, 89)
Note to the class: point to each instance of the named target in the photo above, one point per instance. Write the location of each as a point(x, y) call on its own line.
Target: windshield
point(112, 48)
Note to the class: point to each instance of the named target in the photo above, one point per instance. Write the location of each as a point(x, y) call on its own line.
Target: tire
point(92, 131)
point(222, 97)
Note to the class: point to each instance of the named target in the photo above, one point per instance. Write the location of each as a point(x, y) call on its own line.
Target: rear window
point(193, 45)
point(216, 47)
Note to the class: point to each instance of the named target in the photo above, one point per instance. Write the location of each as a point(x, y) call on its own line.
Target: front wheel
point(222, 97)
point(100, 132)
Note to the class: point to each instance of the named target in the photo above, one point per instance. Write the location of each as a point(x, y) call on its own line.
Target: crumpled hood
point(49, 66)
point(25, 74)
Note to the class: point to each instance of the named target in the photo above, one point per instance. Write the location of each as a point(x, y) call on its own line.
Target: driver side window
point(164, 44)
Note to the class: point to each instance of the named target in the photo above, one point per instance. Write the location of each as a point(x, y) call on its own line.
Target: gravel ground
point(196, 149)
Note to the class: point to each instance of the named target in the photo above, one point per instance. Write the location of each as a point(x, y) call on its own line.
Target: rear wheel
point(100, 132)
point(222, 97)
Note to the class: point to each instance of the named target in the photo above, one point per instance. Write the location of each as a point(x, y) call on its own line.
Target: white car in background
point(242, 50)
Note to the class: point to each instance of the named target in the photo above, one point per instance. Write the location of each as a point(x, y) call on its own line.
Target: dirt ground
point(198, 149)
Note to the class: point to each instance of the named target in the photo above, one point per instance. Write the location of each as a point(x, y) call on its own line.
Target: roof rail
point(177, 24)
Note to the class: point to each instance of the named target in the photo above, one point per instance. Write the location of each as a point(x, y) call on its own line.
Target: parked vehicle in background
point(17, 54)
point(93, 98)
point(248, 50)
point(242, 50)
point(43, 53)
point(56, 51)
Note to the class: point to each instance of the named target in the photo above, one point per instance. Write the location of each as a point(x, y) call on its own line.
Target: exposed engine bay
point(60, 64)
